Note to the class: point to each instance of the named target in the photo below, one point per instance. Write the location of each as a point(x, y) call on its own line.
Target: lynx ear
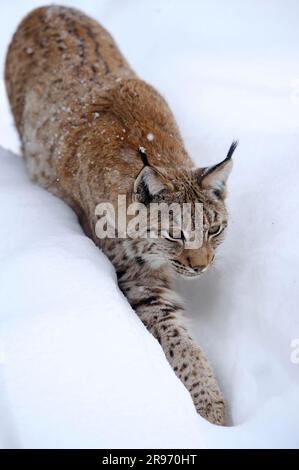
point(147, 185)
point(215, 177)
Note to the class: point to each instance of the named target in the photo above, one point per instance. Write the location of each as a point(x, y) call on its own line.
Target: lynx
point(90, 130)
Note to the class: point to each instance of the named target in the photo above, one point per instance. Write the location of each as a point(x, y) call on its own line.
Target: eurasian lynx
point(91, 130)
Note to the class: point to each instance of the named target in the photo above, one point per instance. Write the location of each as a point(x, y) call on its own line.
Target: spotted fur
point(90, 130)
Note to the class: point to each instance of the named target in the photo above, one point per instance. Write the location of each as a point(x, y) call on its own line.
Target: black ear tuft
point(143, 156)
point(232, 148)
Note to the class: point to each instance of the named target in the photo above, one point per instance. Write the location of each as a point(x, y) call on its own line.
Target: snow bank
point(78, 369)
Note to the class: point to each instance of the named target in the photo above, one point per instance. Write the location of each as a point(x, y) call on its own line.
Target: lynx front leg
point(191, 366)
point(160, 310)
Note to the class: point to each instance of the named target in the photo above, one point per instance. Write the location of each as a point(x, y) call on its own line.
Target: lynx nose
point(202, 267)
point(199, 269)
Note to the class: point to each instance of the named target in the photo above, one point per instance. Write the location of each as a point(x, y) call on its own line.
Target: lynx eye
point(216, 230)
point(172, 239)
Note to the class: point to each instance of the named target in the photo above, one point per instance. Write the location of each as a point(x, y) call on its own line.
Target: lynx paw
point(210, 405)
point(213, 412)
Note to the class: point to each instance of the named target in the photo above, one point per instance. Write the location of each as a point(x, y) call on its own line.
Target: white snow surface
point(77, 367)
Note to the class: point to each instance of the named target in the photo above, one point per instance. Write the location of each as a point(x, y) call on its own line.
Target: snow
point(150, 136)
point(96, 115)
point(77, 368)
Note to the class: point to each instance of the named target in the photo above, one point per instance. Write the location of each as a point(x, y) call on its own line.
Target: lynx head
point(206, 186)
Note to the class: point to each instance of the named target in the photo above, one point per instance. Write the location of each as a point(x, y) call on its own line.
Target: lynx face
point(206, 186)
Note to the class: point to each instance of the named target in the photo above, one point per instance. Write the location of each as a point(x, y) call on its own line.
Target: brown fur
point(74, 71)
